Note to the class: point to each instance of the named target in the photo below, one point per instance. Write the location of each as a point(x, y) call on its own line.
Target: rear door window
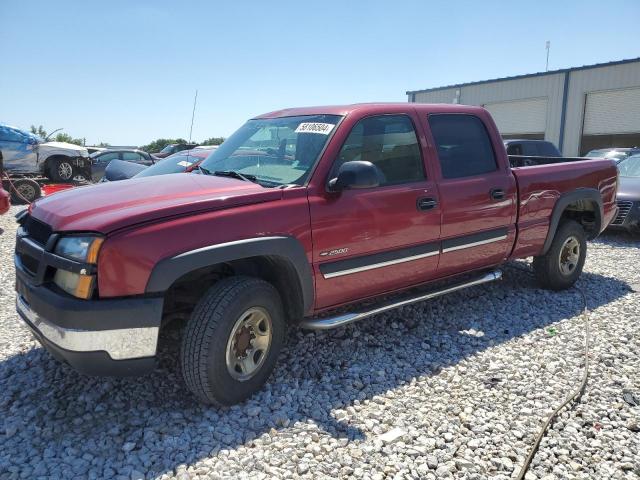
point(107, 157)
point(463, 145)
point(529, 149)
point(514, 149)
point(131, 156)
point(547, 149)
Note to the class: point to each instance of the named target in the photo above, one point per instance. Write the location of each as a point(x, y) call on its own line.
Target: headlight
point(76, 284)
point(82, 249)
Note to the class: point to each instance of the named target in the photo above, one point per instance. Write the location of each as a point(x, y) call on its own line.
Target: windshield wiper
point(234, 174)
point(203, 170)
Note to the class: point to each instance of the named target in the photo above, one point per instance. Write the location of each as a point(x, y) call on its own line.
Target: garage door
point(613, 111)
point(520, 117)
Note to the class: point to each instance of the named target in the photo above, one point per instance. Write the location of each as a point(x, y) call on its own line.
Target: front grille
point(39, 232)
point(623, 210)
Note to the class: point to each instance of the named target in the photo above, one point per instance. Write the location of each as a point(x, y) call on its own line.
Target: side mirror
point(355, 174)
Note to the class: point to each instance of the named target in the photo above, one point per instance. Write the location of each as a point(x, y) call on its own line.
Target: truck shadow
point(617, 238)
point(153, 425)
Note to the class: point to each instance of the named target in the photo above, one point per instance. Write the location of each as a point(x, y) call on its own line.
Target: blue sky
point(125, 72)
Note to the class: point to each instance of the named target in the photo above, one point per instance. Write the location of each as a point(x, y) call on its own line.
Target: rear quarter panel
point(540, 187)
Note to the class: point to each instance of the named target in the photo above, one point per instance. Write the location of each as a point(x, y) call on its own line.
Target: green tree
point(60, 137)
point(160, 143)
point(213, 141)
point(40, 131)
point(65, 137)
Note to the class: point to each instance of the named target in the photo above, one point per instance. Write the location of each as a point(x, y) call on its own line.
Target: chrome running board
point(335, 321)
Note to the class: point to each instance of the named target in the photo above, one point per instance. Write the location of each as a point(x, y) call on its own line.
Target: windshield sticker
point(313, 127)
point(184, 163)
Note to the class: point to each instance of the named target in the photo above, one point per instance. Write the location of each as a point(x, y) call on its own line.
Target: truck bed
point(537, 197)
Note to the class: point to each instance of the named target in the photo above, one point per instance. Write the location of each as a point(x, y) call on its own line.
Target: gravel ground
point(452, 388)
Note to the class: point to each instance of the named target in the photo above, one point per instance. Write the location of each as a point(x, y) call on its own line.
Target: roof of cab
point(371, 108)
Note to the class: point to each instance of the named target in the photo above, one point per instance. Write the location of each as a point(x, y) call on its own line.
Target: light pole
point(548, 48)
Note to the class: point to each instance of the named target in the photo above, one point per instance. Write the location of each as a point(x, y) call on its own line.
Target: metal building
point(578, 109)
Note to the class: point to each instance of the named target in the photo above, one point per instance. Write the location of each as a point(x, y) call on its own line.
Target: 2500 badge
point(337, 251)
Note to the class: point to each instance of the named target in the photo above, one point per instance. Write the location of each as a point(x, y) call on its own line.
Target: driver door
point(374, 240)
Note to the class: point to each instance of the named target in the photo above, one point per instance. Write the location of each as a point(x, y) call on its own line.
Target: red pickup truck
point(298, 212)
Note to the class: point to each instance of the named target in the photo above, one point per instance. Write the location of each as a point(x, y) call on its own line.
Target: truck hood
point(107, 207)
point(64, 147)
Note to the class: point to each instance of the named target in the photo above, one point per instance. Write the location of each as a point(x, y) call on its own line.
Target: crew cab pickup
point(299, 212)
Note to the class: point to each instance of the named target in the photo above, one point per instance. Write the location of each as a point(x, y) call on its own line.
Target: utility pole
point(193, 114)
point(548, 48)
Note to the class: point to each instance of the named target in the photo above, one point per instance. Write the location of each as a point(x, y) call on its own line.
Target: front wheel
point(561, 266)
point(232, 340)
point(62, 170)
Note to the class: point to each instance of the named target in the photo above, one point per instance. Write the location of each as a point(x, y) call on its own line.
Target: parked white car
point(25, 153)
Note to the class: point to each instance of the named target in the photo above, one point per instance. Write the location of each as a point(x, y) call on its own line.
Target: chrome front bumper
point(120, 344)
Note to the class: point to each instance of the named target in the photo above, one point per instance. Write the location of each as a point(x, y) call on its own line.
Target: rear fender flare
point(566, 199)
point(170, 269)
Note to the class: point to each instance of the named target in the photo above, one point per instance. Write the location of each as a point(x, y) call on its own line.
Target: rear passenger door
point(477, 194)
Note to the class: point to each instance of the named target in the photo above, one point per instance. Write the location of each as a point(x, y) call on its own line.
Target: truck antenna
point(195, 99)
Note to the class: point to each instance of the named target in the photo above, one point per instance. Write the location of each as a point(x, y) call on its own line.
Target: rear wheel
point(561, 266)
point(24, 190)
point(232, 341)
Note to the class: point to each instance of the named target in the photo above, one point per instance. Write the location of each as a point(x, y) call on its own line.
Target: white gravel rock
point(465, 382)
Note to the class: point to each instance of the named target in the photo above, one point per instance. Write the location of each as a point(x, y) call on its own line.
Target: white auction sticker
point(313, 127)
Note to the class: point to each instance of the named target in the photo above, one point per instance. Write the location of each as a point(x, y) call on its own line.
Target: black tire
point(549, 268)
point(203, 355)
point(24, 190)
point(61, 170)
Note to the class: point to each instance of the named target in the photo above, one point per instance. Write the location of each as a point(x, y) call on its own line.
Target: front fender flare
point(168, 270)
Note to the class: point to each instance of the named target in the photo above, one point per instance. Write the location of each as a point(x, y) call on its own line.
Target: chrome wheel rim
point(65, 171)
point(249, 343)
point(27, 192)
point(569, 255)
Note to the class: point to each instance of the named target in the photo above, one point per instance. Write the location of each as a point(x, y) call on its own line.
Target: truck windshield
point(276, 151)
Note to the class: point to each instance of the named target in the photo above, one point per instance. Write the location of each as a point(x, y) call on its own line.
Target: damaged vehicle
point(26, 154)
point(306, 217)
